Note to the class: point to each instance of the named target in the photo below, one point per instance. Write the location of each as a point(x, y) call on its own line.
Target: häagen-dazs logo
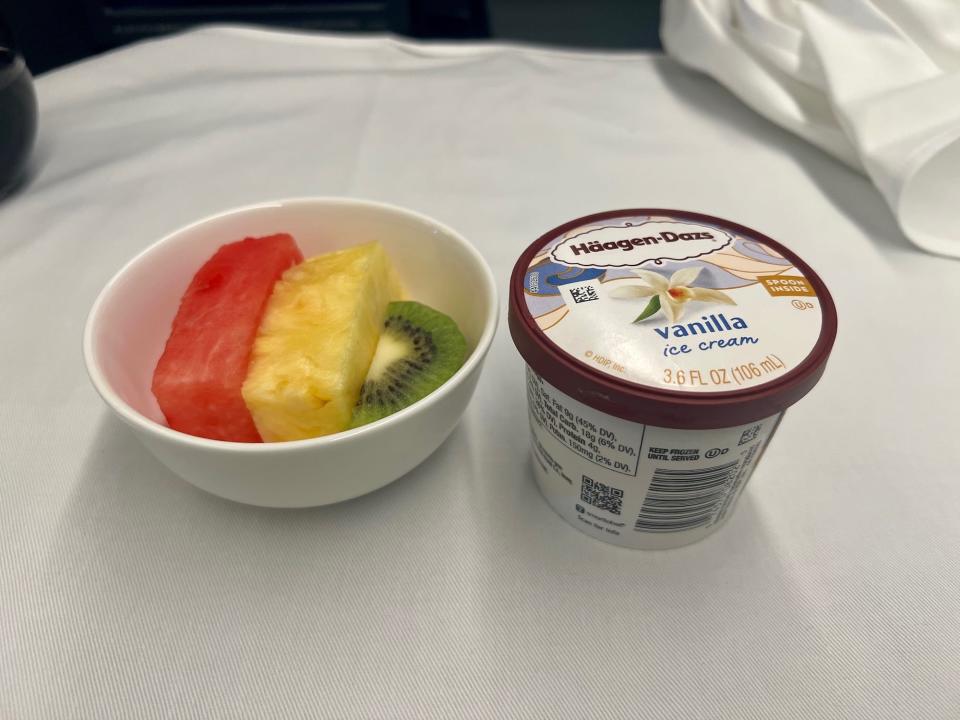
point(632, 245)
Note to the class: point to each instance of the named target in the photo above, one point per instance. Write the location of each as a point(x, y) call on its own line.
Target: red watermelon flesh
point(198, 379)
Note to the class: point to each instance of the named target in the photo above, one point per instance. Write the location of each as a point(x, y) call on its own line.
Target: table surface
point(834, 591)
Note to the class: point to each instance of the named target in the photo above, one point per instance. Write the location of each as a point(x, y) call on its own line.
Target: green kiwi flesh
point(419, 350)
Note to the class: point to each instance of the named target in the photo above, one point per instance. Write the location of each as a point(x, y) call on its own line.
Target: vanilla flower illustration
point(670, 295)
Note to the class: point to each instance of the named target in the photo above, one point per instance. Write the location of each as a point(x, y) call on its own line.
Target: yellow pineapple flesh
point(316, 341)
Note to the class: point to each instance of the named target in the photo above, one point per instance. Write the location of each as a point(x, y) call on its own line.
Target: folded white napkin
point(874, 82)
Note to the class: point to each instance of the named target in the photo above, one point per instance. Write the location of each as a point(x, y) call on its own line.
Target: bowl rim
point(138, 420)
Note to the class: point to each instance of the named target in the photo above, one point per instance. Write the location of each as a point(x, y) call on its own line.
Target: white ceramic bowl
point(130, 321)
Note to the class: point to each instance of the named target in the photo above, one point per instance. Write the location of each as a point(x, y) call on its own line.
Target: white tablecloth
point(834, 592)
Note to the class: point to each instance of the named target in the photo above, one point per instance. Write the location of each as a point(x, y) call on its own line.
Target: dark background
point(51, 33)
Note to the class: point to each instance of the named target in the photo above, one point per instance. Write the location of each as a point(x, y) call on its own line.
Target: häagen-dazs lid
point(671, 318)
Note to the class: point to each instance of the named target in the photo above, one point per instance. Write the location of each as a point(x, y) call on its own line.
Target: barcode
point(685, 499)
point(604, 497)
point(583, 294)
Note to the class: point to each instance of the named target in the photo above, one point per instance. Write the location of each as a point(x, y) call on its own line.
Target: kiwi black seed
point(434, 350)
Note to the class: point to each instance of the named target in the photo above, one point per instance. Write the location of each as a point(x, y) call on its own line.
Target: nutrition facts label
point(633, 484)
point(607, 443)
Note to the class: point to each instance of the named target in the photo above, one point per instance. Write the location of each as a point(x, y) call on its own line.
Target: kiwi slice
point(419, 350)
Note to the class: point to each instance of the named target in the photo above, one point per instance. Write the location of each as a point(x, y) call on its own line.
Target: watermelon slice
point(198, 379)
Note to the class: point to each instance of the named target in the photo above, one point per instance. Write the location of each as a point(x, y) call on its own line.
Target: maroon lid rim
point(657, 406)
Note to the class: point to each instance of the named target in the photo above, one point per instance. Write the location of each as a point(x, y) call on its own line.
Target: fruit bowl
point(128, 326)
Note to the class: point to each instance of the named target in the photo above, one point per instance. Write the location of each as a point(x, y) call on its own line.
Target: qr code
point(584, 294)
point(601, 496)
point(749, 435)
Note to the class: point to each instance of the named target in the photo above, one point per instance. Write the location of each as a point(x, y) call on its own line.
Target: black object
point(18, 113)
point(116, 22)
point(52, 33)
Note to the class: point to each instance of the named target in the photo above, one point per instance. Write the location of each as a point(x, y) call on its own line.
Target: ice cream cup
point(662, 349)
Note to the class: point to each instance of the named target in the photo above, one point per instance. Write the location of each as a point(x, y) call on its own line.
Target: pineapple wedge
point(316, 341)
